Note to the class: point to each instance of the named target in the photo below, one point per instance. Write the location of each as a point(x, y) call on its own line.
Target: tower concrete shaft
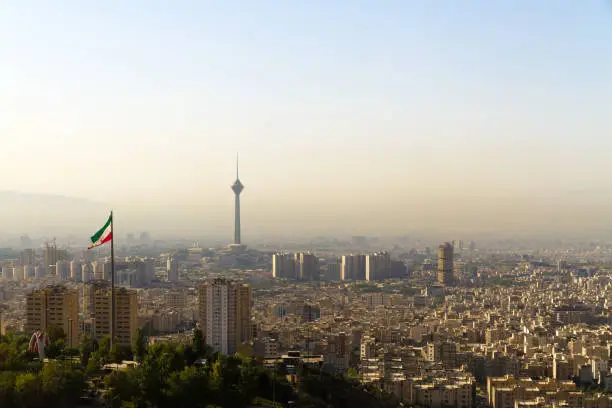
point(237, 221)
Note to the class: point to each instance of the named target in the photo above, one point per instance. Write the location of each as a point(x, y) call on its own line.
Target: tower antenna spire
point(236, 165)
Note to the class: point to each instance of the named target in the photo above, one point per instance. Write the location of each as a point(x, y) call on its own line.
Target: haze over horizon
point(350, 118)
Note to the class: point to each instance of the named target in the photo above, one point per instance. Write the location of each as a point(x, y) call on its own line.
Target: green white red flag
point(104, 235)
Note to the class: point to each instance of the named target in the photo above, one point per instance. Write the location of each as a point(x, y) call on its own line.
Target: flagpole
point(112, 328)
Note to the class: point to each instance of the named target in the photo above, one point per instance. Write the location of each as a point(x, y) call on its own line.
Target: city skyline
point(41, 220)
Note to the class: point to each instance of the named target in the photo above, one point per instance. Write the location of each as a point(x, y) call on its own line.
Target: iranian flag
point(104, 235)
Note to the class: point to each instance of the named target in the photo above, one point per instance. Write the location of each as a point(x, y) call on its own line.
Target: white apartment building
point(225, 314)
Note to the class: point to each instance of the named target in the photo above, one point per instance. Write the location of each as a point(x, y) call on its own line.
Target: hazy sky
point(353, 116)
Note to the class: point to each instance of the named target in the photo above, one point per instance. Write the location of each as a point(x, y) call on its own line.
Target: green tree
point(96, 362)
point(353, 374)
point(139, 346)
point(18, 341)
point(189, 388)
point(28, 391)
point(101, 355)
point(55, 349)
point(198, 343)
point(122, 387)
point(189, 354)
point(251, 378)
point(120, 353)
point(55, 333)
point(71, 352)
point(87, 347)
point(104, 347)
point(155, 369)
point(61, 384)
point(8, 357)
point(7, 386)
point(165, 379)
point(226, 379)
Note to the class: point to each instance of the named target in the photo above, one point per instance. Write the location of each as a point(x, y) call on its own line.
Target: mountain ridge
point(40, 213)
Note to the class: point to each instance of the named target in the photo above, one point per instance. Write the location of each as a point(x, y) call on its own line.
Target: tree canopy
point(167, 375)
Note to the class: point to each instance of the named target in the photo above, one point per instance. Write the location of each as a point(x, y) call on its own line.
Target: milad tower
point(237, 188)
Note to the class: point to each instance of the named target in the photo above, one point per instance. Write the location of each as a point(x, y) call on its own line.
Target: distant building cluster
point(131, 272)
point(365, 267)
point(299, 266)
point(376, 266)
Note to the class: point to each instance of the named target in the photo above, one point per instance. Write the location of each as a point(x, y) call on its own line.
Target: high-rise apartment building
point(87, 272)
point(50, 258)
point(76, 270)
point(445, 264)
point(172, 268)
point(27, 257)
point(458, 245)
point(36, 311)
point(352, 267)
point(333, 271)
point(53, 306)
point(377, 266)
point(102, 269)
point(107, 269)
point(283, 266)
point(148, 269)
point(62, 270)
point(88, 298)
point(307, 267)
point(225, 314)
point(8, 272)
point(18, 274)
point(98, 270)
point(29, 271)
point(126, 322)
point(97, 302)
point(134, 272)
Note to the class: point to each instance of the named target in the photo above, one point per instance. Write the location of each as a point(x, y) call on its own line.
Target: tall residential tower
point(377, 266)
point(97, 308)
point(225, 314)
point(445, 264)
point(56, 306)
point(237, 187)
